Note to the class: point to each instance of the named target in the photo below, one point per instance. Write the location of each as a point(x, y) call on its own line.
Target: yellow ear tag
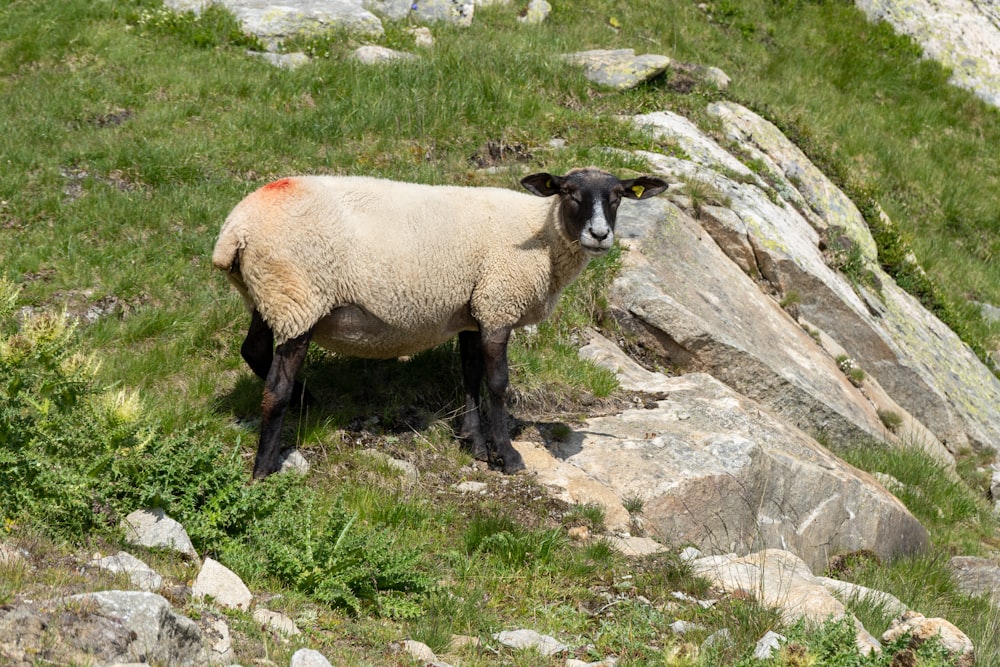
point(638, 190)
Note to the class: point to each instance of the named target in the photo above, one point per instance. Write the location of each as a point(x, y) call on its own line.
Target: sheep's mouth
point(596, 248)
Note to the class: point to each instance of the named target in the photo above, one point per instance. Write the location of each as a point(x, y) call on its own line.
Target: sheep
point(375, 268)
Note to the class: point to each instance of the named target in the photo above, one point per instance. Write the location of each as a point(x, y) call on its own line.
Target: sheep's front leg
point(279, 388)
point(471, 430)
point(494, 346)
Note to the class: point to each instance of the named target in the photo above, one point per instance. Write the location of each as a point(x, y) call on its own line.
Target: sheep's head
point(589, 200)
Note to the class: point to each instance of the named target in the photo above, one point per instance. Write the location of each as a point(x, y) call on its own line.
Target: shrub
point(332, 558)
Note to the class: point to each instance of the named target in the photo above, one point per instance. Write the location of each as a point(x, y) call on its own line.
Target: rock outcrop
point(963, 35)
point(716, 470)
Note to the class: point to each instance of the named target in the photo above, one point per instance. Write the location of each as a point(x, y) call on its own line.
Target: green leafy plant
point(331, 557)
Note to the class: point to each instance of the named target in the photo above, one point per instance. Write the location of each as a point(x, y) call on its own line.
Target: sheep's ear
point(643, 187)
point(543, 185)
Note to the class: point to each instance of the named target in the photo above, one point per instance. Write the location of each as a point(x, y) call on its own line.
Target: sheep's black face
point(589, 202)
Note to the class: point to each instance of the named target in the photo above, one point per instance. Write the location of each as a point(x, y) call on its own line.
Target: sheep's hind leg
point(278, 390)
point(471, 430)
point(494, 347)
point(258, 351)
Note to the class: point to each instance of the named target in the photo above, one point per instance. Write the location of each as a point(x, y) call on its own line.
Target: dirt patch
point(495, 153)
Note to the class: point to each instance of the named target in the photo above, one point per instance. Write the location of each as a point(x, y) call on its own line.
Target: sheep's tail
point(226, 257)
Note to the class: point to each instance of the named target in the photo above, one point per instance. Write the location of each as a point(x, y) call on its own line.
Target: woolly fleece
point(385, 269)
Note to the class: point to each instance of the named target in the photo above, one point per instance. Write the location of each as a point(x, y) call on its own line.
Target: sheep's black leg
point(471, 430)
point(258, 351)
point(494, 347)
point(278, 390)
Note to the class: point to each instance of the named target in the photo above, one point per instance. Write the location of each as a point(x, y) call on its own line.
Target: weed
point(891, 419)
point(850, 369)
point(589, 514)
point(703, 193)
point(634, 503)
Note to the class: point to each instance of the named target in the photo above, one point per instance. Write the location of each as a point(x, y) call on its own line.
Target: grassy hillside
point(127, 135)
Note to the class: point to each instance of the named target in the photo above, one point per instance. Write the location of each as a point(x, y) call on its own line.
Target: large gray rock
point(717, 471)
point(459, 12)
point(776, 233)
point(780, 580)
point(921, 363)
point(963, 35)
point(158, 634)
point(274, 22)
point(700, 312)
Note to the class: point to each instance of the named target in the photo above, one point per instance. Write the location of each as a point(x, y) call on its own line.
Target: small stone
point(276, 621)
point(223, 585)
point(458, 642)
point(10, 556)
point(471, 487)
point(153, 528)
point(536, 12)
point(293, 461)
point(579, 533)
point(767, 644)
point(921, 628)
point(379, 55)
point(307, 657)
point(219, 641)
point(523, 639)
point(635, 546)
point(422, 36)
point(419, 651)
point(683, 627)
point(722, 636)
point(140, 574)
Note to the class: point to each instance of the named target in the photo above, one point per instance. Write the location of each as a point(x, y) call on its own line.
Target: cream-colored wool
point(384, 269)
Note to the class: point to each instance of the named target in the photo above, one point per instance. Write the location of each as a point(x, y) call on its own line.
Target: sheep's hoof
point(510, 463)
point(478, 450)
point(514, 467)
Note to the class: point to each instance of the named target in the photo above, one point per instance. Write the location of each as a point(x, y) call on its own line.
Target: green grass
point(128, 135)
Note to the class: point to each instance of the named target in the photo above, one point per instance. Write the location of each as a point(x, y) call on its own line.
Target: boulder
point(921, 363)
point(459, 12)
point(783, 232)
point(716, 470)
point(698, 311)
point(963, 35)
point(780, 580)
point(157, 634)
point(274, 22)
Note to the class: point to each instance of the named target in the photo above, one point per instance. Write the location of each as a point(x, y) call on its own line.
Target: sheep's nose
point(600, 233)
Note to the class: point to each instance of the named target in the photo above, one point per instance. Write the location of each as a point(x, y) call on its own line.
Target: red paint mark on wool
point(280, 184)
